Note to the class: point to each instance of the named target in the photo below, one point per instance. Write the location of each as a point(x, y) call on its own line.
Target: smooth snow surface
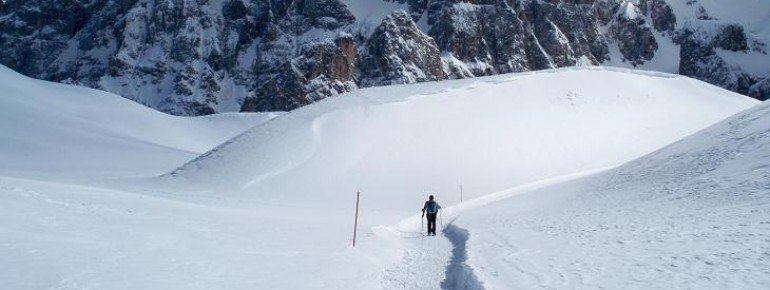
point(272, 208)
point(55, 130)
point(693, 215)
point(487, 134)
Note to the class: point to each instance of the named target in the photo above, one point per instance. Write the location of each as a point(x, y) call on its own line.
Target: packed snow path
point(432, 262)
point(458, 274)
point(452, 250)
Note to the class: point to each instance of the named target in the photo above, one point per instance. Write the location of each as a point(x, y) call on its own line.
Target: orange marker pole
point(355, 223)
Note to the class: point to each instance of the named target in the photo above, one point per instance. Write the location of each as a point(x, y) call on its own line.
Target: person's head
point(430, 197)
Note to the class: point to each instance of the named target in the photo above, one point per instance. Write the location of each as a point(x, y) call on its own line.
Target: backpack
point(432, 206)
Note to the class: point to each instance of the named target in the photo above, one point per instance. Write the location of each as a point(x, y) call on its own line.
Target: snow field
point(272, 208)
point(397, 144)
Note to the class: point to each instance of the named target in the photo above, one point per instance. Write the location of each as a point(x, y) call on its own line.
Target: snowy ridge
point(327, 129)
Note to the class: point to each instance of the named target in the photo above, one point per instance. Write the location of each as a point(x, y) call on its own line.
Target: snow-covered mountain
point(272, 207)
point(200, 57)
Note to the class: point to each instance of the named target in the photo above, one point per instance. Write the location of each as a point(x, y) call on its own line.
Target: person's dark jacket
point(431, 206)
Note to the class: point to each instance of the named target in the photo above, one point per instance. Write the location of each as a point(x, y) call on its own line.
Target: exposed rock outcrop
point(197, 57)
point(399, 53)
point(731, 37)
point(633, 34)
point(184, 57)
point(700, 61)
point(761, 90)
point(663, 17)
point(321, 70)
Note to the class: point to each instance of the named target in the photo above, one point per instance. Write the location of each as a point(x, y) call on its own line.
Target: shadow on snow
point(458, 274)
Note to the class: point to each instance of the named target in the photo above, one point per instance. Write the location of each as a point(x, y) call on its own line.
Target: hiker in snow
point(432, 208)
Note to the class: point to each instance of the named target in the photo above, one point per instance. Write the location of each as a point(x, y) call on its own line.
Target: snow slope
point(272, 208)
point(397, 143)
point(695, 214)
point(55, 130)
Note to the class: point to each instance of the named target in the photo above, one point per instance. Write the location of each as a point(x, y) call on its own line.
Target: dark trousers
point(431, 223)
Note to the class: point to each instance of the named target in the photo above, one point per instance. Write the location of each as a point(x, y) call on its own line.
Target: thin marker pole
point(441, 219)
point(355, 223)
point(461, 192)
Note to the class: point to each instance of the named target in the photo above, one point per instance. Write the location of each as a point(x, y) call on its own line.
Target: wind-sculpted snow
point(488, 134)
point(60, 130)
point(691, 215)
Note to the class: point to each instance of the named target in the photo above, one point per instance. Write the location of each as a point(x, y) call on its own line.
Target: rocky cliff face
point(187, 57)
point(195, 57)
point(399, 53)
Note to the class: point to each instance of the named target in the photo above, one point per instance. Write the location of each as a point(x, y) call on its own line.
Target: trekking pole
point(422, 224)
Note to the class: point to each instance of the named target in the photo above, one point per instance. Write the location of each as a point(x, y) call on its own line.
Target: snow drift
point(62, 130)
point(692, 215)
